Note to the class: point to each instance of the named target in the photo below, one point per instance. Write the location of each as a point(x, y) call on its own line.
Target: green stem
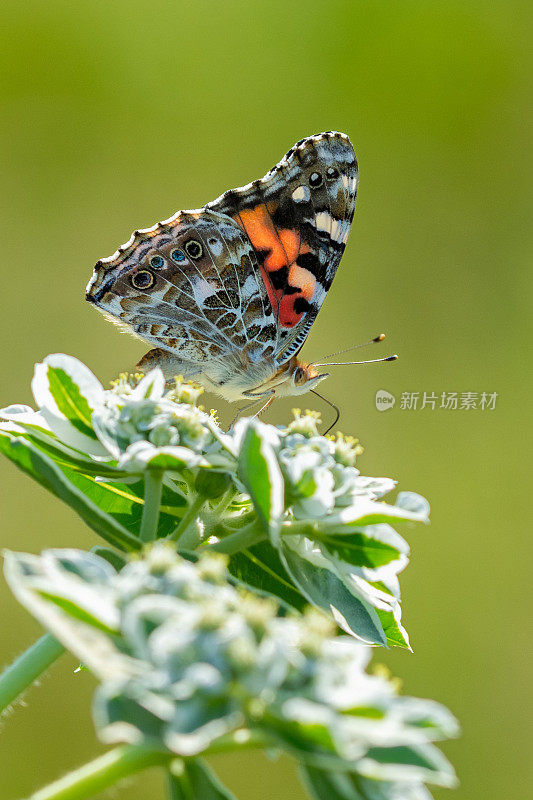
point(231, 522)
point(225, 500)
point(240, 540)
point(27, 668)
point(242, 739)
point(101, 773)
point(153, 487)
point(98, 775)
point(188, 539)
point(297, 528)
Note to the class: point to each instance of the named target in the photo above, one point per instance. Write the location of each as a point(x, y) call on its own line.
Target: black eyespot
point(315, 180)
point(157, 262)
point(299, 376)
point(212, 241)
point(178, 255)
point(332, 173)
point(142, 279)
point(194, 248)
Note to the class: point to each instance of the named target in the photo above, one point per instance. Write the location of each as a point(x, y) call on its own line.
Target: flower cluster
point(197, 652)
point(185, 660)
point(320, 473)
point(140, 461)
point(135, 425)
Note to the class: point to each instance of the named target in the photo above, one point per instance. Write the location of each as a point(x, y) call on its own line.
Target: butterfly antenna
point(356, 346)
point(346, 363)
point(333, 406)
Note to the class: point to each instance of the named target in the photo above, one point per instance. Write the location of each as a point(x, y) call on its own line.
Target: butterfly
point(228, 292)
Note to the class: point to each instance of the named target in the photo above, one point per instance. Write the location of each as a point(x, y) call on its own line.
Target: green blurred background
point(116, 114)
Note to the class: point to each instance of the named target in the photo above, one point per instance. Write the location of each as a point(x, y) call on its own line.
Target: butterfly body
point(237, 377)
point(227, 293)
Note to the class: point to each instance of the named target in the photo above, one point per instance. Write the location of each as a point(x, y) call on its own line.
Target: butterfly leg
point(266, 405)
point(242, 410)
point(254, 402)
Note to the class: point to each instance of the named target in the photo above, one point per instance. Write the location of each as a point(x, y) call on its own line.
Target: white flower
point(320, 474)
point(195, 659)
point(137, 423)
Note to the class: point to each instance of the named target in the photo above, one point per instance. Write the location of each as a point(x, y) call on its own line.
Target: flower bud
point(211, 484)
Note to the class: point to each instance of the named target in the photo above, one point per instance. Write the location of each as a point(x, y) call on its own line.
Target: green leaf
point(311, 741)
point(84, 495)
point(329, 785)
point(116, 560)
point(63, 455)
point(325, 590)
point(124, 502)
point(73, 609)
point(260, 473)
point(70, 402)
point(72, 580)
point(416, 762)
point(374, 546)
point(121, 501)
point(260, 568)
point(385, 790)
point(67, 592)
point(369, 512)
point(212, 484)
point(197, 781)
point(143, 455)
point(395, 633)
point(120, 717)
point(67, 393)
point(334, 785)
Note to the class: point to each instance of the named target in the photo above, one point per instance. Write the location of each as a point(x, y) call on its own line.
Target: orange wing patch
point(282, 248)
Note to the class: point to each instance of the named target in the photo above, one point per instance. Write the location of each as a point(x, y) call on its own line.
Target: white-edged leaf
point(25, 416)
point(326, 590)
point(260, 472)
point(373, 546)
point(67, 393)
point(369, 512)
point(120, 715)
point(173, 458)
point(260, 569)
point(434, 720)
point(151, 387)
point(27, 576)
point(44, 439)
point(411, 501)
point(45, 471)
point(423, 763)
point(386, 790)
point(395, 632)
point(328, 784)
point(197, 781)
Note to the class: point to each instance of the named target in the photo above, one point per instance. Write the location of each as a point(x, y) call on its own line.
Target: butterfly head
point(299, 378)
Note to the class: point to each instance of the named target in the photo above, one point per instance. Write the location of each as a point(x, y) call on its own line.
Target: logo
point(384, 400)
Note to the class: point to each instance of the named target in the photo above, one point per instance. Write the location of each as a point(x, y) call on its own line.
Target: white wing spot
point(215, 245)
point(301, 194)
point(323, 221)
point(336, 227)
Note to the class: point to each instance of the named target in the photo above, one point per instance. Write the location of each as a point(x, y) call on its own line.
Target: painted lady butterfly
point(229, 292)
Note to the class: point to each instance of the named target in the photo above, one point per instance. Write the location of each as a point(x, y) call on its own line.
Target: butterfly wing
point(236, 285)
point(297, 219)
point(191, 285)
